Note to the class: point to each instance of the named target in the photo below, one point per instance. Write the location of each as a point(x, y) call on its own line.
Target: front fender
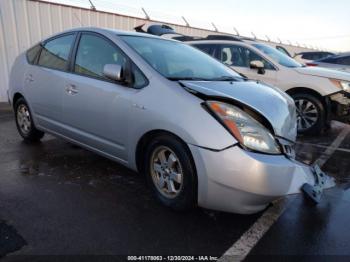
point(321, 85)
point(189, 121)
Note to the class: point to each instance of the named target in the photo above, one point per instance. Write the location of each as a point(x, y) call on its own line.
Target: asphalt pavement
point(59, 199)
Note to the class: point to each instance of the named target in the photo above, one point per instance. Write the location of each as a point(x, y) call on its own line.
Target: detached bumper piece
point(340, 106)
point(314, 192)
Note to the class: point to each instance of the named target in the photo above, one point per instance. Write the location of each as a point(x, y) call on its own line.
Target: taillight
point(311, 64)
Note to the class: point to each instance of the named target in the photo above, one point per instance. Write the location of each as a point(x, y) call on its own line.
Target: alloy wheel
point(166, 172)
point(307, 114)
point(23, 119)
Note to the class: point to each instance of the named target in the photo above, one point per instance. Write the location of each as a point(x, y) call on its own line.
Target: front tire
point(24, 122)
point(171, 173)
point(311, 114)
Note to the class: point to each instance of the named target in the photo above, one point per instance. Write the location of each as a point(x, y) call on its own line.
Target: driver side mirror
point(113, 72)
point(256, 64)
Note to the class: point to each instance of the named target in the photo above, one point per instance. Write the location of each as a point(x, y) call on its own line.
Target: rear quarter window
point(33, 53)
point(55, 52)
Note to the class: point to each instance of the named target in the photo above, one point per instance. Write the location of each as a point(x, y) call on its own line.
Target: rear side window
point(55, 53)
point(33, 53)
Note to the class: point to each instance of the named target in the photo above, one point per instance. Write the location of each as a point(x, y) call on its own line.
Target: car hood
point(323, 72)
point(276, 106)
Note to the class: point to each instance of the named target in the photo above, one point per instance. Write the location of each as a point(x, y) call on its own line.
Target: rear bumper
point(238, 181)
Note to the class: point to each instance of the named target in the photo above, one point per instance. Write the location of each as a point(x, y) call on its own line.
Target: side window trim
point(36, 55)
point(42, 44)
point(74, 55)
point(216, 52)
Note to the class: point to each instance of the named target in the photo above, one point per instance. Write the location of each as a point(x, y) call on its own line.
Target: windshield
point(277, 56)
point(178, 61)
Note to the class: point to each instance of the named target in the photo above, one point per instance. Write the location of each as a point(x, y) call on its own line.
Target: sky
point(320, 23)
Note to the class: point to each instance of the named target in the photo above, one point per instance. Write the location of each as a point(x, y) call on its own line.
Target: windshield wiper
point(188, 78)
point(221, 78)
point(226, 78)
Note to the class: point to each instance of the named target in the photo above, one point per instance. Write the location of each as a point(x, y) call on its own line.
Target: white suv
point(320, 94)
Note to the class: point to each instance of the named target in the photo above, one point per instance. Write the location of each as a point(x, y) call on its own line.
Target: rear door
point(239, 57)
point(45, 81)
point(96, 109)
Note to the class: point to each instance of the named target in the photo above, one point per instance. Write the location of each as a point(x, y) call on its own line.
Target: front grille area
point(288, 148)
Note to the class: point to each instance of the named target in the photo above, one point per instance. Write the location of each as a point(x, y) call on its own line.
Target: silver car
point(199, 132)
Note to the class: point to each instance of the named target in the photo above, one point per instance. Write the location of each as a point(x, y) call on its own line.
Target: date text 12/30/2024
point(172, 258)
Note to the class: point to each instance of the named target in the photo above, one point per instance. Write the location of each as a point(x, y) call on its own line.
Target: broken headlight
point(248, 132)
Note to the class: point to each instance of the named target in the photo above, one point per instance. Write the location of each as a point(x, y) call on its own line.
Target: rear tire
point(24, 122)
point(311, 114)
point(171, 173)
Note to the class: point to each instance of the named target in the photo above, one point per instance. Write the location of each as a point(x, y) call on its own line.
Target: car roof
point(314, 52)
point(335, 56)
point(218, 42)
point(344, 54)
point(107, 30)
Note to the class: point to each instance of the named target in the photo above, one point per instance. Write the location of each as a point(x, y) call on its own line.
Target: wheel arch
point(305, 90)
point(147, 138)
point(16, 96)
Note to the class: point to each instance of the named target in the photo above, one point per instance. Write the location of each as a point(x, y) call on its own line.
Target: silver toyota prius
point(201, 134)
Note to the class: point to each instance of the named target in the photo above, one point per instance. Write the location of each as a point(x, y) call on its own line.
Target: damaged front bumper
point(239, 181)
point(314, 192)
point(340, 106)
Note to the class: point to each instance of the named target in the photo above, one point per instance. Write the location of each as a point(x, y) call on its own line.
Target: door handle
point(71, 89)
point(29, 78)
